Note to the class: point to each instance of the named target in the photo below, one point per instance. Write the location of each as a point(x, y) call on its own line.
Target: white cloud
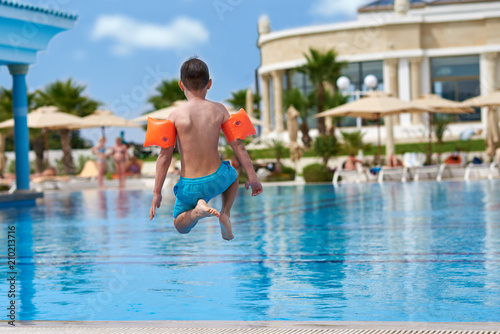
point(129, 34)
point(336, 7)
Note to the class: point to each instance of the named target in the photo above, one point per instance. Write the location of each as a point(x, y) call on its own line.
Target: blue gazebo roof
point(39, 9)
point(26, 29)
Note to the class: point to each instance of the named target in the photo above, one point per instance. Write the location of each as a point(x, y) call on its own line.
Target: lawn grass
point(154, 157)
point(449, 146)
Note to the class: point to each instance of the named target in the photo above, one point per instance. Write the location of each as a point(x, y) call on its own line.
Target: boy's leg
point(185, 222)
point(228, 197)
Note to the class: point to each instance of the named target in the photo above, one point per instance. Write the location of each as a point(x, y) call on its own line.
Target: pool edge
point(361, 325)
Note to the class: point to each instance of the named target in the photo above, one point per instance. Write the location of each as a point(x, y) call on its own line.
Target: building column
point(488, 79)
point(21, 134)
point(249, 102)
point(416, 84)
point(393, 81)
point(278, 100)
point(491, 72)
point(391, 86)
point(266, 104)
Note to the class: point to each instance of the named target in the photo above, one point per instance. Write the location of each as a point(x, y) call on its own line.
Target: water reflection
point(300, 253)
point(26, 270)
point(122, 203)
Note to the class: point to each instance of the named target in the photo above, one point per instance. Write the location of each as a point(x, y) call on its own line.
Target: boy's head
point(195, 75)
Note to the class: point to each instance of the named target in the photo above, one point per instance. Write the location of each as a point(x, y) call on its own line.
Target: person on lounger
point(350, 163)
point(393, 161)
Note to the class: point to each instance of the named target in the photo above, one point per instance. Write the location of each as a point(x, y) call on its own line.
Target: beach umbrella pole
point(46, 134)
point(378, 135)
point(429, 154)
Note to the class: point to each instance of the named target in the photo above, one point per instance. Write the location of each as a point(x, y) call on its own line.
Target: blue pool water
point(397, 252)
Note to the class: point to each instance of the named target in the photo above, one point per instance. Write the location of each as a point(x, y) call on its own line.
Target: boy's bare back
point(204, 176)
point(198, 124)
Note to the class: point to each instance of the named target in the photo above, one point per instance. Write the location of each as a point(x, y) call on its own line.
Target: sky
point(121, 49)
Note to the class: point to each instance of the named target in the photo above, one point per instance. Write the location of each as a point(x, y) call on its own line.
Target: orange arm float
point(160, 133)
point(238, 126)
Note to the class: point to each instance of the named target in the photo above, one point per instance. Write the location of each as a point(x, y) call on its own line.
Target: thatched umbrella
point(492, 101)
point(375, 106)
point(47, 118)
point(104, 119)
point(440, 105)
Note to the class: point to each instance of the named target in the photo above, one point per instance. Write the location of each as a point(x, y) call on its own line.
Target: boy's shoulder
point(217, 105)
point(195, 106)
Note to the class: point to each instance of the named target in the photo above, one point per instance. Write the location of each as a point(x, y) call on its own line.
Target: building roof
point(452, 2)
point(388, 4)
point(380, 5)
point(39, 9)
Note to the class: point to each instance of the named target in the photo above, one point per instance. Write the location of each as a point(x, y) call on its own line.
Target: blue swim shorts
point(189, 190)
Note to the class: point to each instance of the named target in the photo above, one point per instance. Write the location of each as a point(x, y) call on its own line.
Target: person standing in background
point(120, 156)
point(100, 151)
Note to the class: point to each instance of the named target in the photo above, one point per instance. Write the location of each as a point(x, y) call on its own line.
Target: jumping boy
point(203, 175)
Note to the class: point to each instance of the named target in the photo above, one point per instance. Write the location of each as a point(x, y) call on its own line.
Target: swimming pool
point(396, 252)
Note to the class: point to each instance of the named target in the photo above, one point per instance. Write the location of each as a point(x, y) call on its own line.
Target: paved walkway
point(230, 327)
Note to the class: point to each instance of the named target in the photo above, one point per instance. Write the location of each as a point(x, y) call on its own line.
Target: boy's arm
point(162, 165)
point(242, 155)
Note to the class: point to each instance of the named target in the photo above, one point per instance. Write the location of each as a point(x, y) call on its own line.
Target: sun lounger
point(410, 161)
point(42, 183)
point(359, 173)
point(416, 161)
point(400, 173)
point(491, 168)
point(449, 169)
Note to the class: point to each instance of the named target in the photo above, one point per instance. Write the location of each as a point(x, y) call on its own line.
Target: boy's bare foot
point(225, 227)
point(203, 210)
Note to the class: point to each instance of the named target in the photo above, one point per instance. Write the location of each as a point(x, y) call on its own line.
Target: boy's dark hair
point(194, 74)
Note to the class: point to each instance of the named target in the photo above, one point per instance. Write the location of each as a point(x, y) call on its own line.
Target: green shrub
point(243, 178)
point(317, 173)
point(60, 167)
point(326, 147)
point(287, 174)
point(4, 187)
point(12, 166)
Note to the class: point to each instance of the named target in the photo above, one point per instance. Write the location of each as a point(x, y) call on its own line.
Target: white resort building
point(446, 47)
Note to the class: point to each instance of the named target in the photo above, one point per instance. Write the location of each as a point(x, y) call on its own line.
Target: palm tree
point(303, 104)
point(167, 92)
point(440, 125)
point(68, 97)
point(5, 114)
point(326, 147)
point(333, 100)
point(238, 100)
point(320, 68)
point(353, 142)
point(279, 149)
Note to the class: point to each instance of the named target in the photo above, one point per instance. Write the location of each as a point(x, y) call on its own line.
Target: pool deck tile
point(175, 327)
